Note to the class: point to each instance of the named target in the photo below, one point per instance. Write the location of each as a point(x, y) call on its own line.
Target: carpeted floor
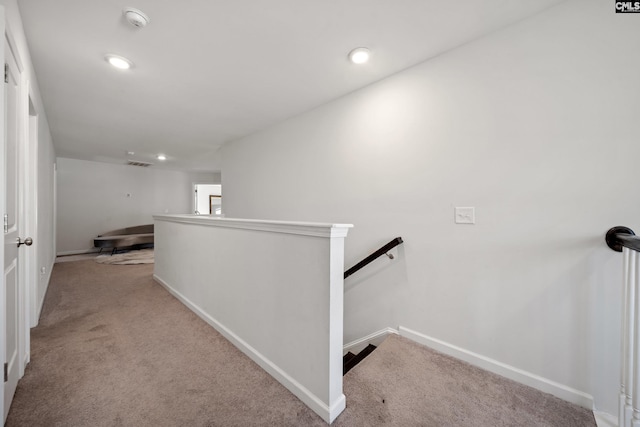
point(113, 348)
point(406, 384)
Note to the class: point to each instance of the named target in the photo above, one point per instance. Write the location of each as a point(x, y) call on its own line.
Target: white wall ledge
point(314, 229)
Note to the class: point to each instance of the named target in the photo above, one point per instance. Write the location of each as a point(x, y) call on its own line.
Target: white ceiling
point(211, 71)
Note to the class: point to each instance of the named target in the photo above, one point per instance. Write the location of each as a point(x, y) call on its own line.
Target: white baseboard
point(527, 378)
point(604, 419)
point(311, 400)
point(374, 338)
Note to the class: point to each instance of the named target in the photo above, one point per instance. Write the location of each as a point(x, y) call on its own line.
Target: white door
point(11, 228)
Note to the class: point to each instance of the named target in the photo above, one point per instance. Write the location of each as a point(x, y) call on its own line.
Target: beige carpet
point(113, 348)
point(406, 384)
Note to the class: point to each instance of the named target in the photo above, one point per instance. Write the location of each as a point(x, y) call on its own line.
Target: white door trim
point(31, 170)
point(3, 186)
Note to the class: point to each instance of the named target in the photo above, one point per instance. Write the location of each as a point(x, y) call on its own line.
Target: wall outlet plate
point(465, 215)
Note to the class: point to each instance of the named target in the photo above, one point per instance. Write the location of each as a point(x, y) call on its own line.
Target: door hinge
point(6, 73)
point(6, 223)
point(6, 372)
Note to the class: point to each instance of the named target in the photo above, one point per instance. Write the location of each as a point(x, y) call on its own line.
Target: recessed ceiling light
point(161, 157)
point(119, 62)
point(359, 55)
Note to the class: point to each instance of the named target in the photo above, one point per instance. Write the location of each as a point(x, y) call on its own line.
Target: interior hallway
point(113, 348)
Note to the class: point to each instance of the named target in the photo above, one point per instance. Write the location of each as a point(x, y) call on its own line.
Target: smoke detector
point(135, 17)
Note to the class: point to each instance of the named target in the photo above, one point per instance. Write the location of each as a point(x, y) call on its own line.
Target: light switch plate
point(465, 215)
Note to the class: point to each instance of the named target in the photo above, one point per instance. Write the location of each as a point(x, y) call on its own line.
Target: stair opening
point(350, 360)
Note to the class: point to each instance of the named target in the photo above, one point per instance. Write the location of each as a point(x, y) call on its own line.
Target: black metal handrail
point(382, 251)
point(619, 237)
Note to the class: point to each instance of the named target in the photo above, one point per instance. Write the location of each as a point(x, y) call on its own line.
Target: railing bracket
point(612, 237)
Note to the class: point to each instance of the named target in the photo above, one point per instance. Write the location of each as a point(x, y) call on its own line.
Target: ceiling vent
point(141, 164)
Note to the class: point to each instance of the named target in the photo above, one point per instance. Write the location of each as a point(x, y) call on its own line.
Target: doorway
point(207, 199)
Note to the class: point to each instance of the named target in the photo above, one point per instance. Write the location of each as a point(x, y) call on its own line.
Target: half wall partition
point(273, 288)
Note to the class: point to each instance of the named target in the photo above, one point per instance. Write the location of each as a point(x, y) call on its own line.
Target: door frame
point(194, 195)
point(3, 209)
point(32, 277)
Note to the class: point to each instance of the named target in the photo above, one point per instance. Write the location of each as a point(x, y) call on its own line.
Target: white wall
point(92, 199)
point(43, 238)
point(535, 126)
